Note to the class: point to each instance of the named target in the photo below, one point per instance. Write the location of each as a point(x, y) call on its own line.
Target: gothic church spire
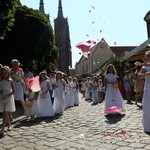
point(41, 7)
point(60, 10)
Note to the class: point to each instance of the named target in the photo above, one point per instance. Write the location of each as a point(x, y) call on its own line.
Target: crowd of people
point(43, 95)
point(115, 90)
point(130, 86)
point(47, 95)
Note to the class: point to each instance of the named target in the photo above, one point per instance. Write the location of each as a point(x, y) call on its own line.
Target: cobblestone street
point(83, 127)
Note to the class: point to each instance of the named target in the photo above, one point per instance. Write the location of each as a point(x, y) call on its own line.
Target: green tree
point(31, 40)
point(7, 10)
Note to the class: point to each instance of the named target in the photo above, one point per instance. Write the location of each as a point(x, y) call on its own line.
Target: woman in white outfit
point(145, 73)
point(59, 104)
point(7, 104)
point(17, 74)
point(76, 91)
point(95, 97)
point(44, 103)
point(88, 91)
point(113, 96)
point(69, 93)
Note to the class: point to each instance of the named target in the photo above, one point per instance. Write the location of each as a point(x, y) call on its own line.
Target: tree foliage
point(7, 10)
point(30, 40)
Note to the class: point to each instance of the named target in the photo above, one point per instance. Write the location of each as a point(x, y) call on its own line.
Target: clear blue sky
point(119, 21)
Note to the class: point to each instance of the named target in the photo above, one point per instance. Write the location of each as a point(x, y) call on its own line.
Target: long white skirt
point(113, 97)
point(76, 97)
point(59, 104)
point(33, 110)
point(45, 108)
point(69, 98)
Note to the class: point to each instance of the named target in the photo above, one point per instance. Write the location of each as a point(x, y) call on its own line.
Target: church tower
point(41, 7)
point(62, 38)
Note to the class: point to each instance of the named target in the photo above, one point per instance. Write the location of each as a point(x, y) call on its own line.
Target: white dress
point(113, 96)
point(59, 98)
point(69, 94)
point(31, 110)
point(76, 94)
point(5, 85)
point(146, 102)
point(88, 91)
point(45, 108)
point(95, 97)
point(19, 85)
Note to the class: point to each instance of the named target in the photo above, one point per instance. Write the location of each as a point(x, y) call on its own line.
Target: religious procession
point(47, 95)
point(44, 95)
point(74, 92)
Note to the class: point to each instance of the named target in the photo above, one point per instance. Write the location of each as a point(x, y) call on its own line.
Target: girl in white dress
point(88, 91)
point(44, 103)
point(145, 73)
point(69, 93)
point(17, 75)
point(76, 91)
point(7, 105)
point(59, 104)
point(31, 104)
point(95, 97)
point(101, 90)
point(113, 96)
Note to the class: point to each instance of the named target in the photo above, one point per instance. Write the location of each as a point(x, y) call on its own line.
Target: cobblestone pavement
point(84, 127)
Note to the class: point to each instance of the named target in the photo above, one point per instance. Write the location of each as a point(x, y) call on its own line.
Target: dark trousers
point(51, 94)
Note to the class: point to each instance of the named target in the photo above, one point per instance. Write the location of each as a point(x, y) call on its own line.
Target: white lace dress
point(59, 98)
point(95, 97)
point(69, 94)
point(44, 104)
point(5, 85)
point(76, 93)
point(31, 110)
point(113, 96)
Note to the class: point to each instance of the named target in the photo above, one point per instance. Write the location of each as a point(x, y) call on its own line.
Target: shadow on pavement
point(113, 118)
point(148, 133)
point(19, 111)
point(20, 120)
point(27, 123)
